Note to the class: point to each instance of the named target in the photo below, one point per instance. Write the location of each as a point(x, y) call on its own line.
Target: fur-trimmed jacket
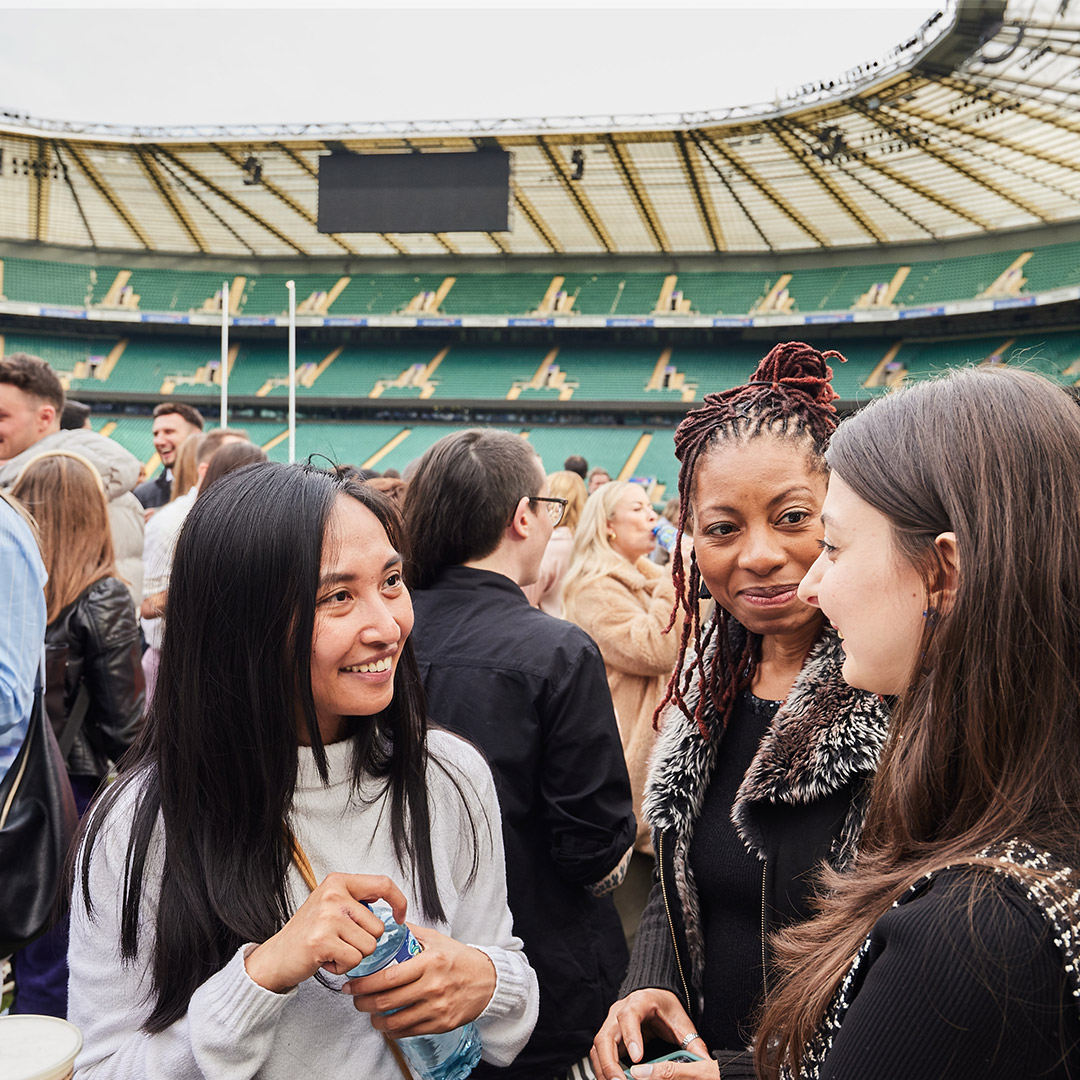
point(801, 801)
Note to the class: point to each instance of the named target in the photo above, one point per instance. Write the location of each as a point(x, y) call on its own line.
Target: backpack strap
point(74, 721)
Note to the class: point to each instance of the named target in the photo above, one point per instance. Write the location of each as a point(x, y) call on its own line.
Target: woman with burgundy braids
point(763, 755)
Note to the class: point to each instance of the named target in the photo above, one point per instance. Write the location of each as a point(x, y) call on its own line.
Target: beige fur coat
point(625, 613)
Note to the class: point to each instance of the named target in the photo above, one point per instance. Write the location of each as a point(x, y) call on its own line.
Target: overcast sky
point(199, 65)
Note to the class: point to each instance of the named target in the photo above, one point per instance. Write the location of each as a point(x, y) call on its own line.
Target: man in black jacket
point(174, 421)
point(530, 691)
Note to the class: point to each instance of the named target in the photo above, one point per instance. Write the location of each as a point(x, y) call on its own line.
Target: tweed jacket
point(971, 923)
point(801, 801)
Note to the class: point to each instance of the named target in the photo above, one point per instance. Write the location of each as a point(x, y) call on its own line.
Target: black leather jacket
point(102, 636)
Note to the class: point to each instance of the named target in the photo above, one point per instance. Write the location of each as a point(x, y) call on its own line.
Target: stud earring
point(931, 615)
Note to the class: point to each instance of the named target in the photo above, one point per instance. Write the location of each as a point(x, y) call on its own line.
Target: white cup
point(38, 1047)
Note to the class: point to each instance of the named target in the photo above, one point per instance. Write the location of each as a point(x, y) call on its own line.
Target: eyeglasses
point(555, 507)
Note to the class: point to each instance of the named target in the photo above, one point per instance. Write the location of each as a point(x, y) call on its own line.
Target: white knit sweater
point(234, 1028)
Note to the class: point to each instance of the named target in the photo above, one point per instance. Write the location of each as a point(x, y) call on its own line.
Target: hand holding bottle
point(445, 986)
point(333, 929)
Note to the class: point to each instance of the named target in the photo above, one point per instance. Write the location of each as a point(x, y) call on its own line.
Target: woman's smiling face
point(363, 616)
point(757, 529)
point(870, 592)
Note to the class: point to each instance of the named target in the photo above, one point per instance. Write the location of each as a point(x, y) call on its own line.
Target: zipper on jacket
point(764, 969)
point(671, 922)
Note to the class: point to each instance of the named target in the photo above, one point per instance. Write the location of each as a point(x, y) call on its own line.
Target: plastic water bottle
point(667, 536)
point(451, 1055)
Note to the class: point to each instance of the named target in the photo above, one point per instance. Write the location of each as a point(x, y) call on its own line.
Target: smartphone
point(679, 1056)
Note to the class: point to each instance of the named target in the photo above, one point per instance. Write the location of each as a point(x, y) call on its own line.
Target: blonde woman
point(186, 466)
point(624, 603)
point(547, 593)
point(91, 621)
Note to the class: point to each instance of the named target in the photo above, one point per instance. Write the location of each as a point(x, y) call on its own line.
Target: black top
point(530, 691)
point(731, 887)
point(960, 985)
point(154, 492)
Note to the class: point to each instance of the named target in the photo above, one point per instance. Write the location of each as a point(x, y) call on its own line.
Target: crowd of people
point(784, 783)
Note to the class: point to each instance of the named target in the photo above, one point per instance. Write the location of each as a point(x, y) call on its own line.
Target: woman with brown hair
point(92, 636)
point(951, 568)
point(764, 752)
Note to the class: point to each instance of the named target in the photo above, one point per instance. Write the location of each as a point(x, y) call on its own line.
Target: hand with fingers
point(332, 930)
point(674, 1070)
point(446, 986)
point(634, 1019)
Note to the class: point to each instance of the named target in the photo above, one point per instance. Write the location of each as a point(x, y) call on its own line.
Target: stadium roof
point(970, 126)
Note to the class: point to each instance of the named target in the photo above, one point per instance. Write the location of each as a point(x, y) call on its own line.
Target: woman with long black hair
point(287, 743)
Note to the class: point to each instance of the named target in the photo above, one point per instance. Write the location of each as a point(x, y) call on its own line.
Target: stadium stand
point(577, 373)
point(725, 292)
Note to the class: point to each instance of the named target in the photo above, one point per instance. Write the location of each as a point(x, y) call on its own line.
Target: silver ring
point(688, 1039)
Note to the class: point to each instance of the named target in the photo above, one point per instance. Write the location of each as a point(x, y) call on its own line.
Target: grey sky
point(266, 66)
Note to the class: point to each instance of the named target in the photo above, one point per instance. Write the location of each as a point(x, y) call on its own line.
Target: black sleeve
point(153, 493)
point(585, 788)
point(963, 985)
point(111, 667)
point(652, 963)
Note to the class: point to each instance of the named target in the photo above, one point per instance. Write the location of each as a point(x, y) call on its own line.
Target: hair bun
point(794, 365)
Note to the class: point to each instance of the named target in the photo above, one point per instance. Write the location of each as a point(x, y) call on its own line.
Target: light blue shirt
point(22, 629)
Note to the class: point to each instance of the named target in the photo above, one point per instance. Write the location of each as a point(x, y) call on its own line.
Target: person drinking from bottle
point(286, 778)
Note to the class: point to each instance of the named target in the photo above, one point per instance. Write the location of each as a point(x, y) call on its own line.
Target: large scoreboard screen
point(413, 193)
